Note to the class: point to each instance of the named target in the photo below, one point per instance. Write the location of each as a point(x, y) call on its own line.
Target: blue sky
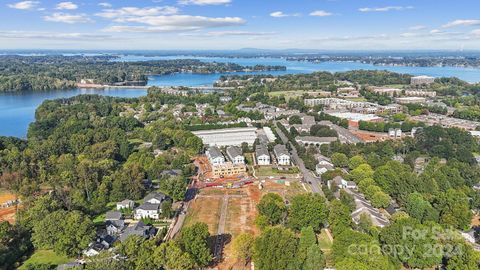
point(235, 24)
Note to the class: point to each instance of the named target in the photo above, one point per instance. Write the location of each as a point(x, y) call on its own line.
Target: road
point(314, 181)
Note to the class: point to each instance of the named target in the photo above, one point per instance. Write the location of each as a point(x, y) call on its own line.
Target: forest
point(19, 73)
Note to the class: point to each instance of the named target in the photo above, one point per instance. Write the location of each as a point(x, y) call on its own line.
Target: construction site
point(229, 212)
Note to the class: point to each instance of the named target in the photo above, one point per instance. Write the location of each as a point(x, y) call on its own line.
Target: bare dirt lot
point(7, 214)
point(230, 212)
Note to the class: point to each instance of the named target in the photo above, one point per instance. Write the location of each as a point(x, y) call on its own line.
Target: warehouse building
point(227, 136)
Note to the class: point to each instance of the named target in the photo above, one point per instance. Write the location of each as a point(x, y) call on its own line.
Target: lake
point(17, 110)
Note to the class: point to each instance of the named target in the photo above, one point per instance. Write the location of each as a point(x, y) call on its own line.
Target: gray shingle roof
point(261, 150)
point(214, 152)
point(157, 195)
point(149, 206)
point(234, 151)
point(280, 149)
point(113, 215)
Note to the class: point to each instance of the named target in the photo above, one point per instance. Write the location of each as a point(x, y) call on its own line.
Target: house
point(322, 168)
point(147, 210)
point(341, 183)
point(155, 198)
point(173, 172)
point(125, 204)
point(262, 155)
point(139, 229)
point(363, 207)
point(114, 222)
point(235, 155)
point(282, 155)
point(215, 156)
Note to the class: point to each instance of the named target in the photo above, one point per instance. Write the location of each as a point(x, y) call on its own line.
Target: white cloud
point(280, 14)
point(172, 23)
point(105, 5)
point(53, 35)
point(461, 23)
point(125, 12)
point(67, 18)
point(229, 33)
point(320, 13)
point(417, 27)
point(384, 9)
point(204, 2)
point(24, 5)
point(66, 5)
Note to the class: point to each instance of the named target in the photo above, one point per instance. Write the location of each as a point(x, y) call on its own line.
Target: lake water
point(17, 110)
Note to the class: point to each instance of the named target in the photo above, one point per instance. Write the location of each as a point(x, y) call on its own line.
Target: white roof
point(355, 116)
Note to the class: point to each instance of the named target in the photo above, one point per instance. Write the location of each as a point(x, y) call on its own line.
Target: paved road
point(314, 181)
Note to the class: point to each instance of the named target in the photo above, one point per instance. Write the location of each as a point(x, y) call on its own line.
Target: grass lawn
point(99, 220)
point(269, 171)
point(42, 256)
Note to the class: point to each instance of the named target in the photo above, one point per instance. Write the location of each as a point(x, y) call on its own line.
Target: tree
point(347, 200)
point(175, 187)
point(355, 161)
point(355, 250)
point(169, 255)
point(339, 160)
point(295, 120)
point(65, 232)
point(307, 239)
point(106, 261)
point(403, 234)
point(315, 259)
point(14, 244)
point(462, 256)
point(362, 172)
point(194, 240)
point(339, 217)
point(272, 207)
point(417, 207)
point(167, 209)
point(380, 200)
point(454, 209)
point(275, 249)
point(242, 247)
point(307, 210)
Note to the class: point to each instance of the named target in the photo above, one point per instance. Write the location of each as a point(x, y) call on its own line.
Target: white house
point(235, 155)
point(125, 204)
point(147, 210)
point(215, 156)
point(262, 155)
point(282, 155)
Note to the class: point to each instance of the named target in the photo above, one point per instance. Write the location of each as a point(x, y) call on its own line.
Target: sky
point(236, 24)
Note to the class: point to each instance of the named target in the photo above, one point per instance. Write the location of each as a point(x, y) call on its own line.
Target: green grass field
point(42, 256)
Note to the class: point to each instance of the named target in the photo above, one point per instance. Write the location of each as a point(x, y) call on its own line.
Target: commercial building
point(215, 156)
point(235, 155)
point(227, 136)
point(314, 141)
point(355, 117)
point(419, 93)
point(422, 80)
point(410, 100)
point(445, 121)
point(262, 155)
point(281, 154)
point(386, 91)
